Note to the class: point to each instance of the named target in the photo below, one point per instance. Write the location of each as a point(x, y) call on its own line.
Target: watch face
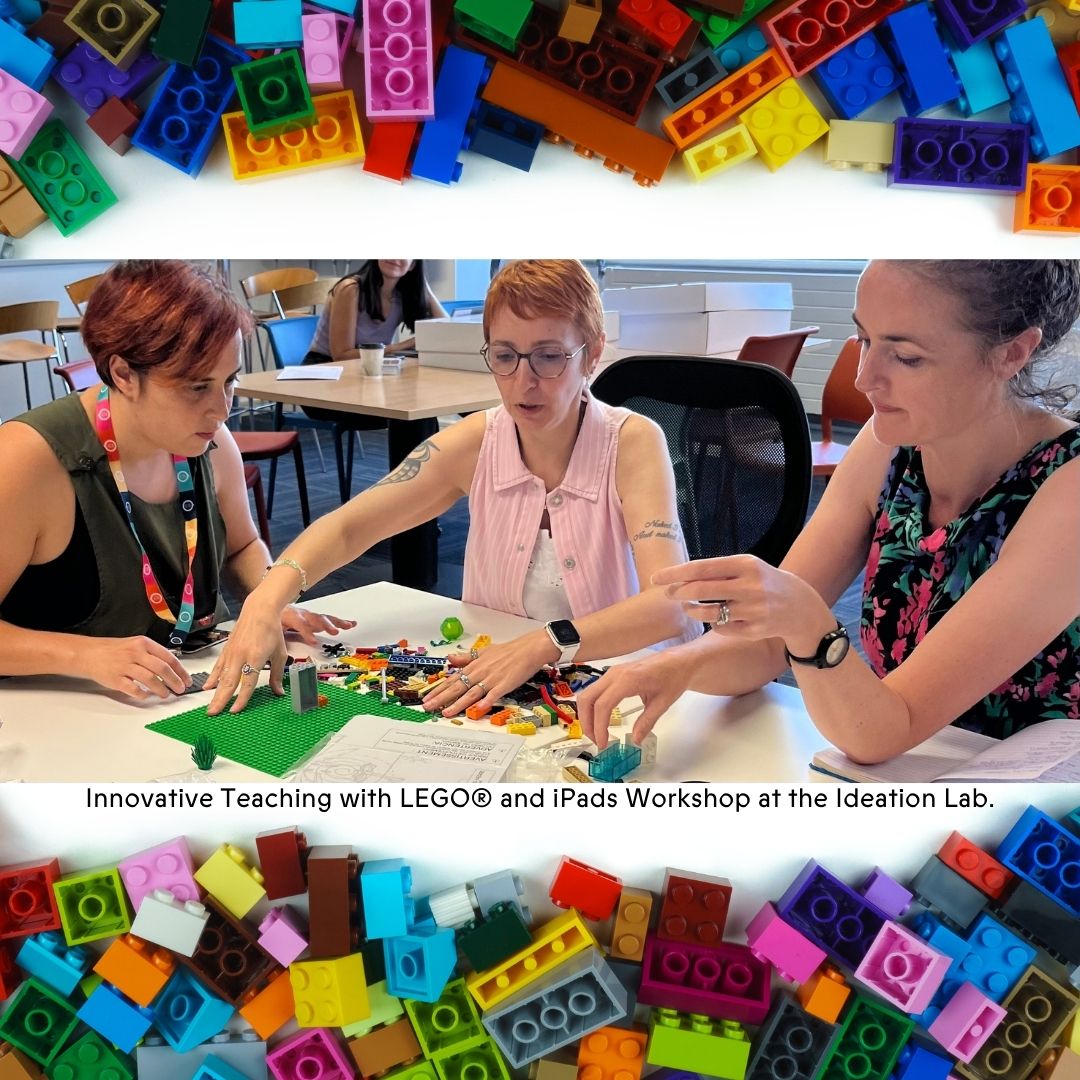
point(836, 651)
point(564, 633)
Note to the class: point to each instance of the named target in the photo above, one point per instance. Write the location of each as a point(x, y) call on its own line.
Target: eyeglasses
point(547, 362)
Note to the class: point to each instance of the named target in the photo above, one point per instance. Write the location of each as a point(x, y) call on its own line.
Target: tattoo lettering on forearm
point(660, 530)
point(410, 467)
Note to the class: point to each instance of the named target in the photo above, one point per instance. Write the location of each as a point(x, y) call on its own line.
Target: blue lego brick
point(116, 1019)
point(91, 80)
point(385, 885)
point(213, 1068)
point(615, 761)
point(420, 963)
point(245, 1053)
point(26, 12)
point(982, 84)
point(688, 80)
point(30, 60)
point(739, 49)
point(858, 76)
point(344, 7)
point(461, 78)
point(1043, 852)
point(268, 24)
point(185, 1013)
point(504, 136)
point(182, 121)
point(919, 1063)
point(964, 154)
point(791, 1044)
point(1040, 94)
point(971, 21)
point(911, 37)
point(48, 958)
point(576, 997)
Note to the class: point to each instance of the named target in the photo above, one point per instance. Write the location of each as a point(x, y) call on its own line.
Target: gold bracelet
point(293, 564)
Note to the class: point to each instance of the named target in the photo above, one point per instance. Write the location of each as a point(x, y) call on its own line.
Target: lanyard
point(103, 425)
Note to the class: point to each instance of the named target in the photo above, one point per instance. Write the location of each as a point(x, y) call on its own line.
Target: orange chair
point(840, 401)
point(78, 376)
point(269, 446)
point(780, 351)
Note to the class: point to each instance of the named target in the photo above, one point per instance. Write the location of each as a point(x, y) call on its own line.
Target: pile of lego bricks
point(401, 88)
point(968, 969)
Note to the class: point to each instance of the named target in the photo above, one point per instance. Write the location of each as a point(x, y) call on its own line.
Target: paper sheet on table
point(369, 749)
point(327, 373)
point(1027, 755)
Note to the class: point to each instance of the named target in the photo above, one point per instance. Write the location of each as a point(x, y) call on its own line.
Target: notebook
point(321, 372)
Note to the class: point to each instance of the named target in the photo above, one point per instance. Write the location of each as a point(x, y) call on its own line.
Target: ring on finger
point(465, 680)
point(480, 683)
point(247, 670)
point(160, 678)
point(724, 616)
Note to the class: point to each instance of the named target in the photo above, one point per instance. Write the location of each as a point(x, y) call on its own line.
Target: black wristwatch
point(831, 650)
point(565, 638)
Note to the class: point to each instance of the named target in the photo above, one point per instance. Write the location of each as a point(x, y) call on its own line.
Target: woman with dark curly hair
point(960, 497)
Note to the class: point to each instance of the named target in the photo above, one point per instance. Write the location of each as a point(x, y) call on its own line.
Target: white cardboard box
point(700, 296)
point(702, 333)
point(459, 360)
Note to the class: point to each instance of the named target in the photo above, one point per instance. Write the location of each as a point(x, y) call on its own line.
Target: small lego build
point(203, 753)
point(303, 687)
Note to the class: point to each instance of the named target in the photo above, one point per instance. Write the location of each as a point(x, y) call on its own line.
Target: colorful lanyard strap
point(103, 425)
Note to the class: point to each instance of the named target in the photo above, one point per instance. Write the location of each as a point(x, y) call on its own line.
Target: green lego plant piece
point(869, 1042)
point(62, 179)
point(443, 1026)
point(204, 755)
point(489, 942)
point(418, 1070)
point(698, 1044)
point(91, 1058)
point(38, 1022)
point(274, 94)
point(182, 31)
point(717, 28)
point(92, 906)
point(500, 21)
point(385, 1009)
point(477, 1059)
point(269, 736)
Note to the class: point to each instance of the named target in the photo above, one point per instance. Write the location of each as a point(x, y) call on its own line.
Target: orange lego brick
point(824, 993)
point(1050, 202)
point(501, 718)
point(19, 210)
point(631, 924)
point(270, 1009)
point(580, 19)
point(594, 133)
point(136, 968)
point(477, 712)
point(723, 101)
point(385, 1048)
point(612, 1053)
point(15, 1065)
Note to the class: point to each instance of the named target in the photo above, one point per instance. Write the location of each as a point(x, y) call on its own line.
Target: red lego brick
point(974, 865)
point(27, 904)
point(658, 21)
point(1070, 62)
point(333, 901)
point(577, 885)
point(282, 857)
point(693, 908)
point(115, 122)
point(10, 975)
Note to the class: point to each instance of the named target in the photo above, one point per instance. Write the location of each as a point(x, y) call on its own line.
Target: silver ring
point(724, 617)
point(465, 680)
point(474, 653)
point(246, 670)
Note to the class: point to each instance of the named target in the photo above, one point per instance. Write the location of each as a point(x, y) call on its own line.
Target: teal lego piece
point(186, 1013)
point(869, 1043)
point(46, 957)
point(500, 21)
point(445, 1025)
point(62, 179)
point(213, 1068)
point(268, 735)
point(267, 24)
point(419, 964)
point(38, 1022)
point(388, 910)
point(717, 27)
point(91, 1059)
point(983, 86)
point(117, 1020)
point(92, 905)
point(274, 94)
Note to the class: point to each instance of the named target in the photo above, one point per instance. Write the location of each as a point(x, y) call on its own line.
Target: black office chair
point(739, 444)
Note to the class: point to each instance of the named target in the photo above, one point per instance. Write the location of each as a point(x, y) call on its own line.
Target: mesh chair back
point(739, 444)
point(290, 339)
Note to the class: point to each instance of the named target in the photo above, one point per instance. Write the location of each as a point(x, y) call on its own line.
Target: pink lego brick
point(281, 937)
point(399, 76)
point(902, 968)
point(966, 1022)
point(774, 941)
point(22, 112)
point(322, 54)
point(167, 866)
point(312, 1052)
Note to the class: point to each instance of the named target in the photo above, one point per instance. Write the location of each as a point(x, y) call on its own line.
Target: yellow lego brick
point(228, 878)
point(783, 123)
point(573, 731)
point(714, 155)
point(860, 144)
point(1070, 5)
point(1064, 25)
point(1071, 1036)
point(330, 993)
point(552, 943)
point(333, 139)
point(525, 727)
point(482, 642)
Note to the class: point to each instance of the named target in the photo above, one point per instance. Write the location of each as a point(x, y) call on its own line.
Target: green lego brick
point(274, 94)
point(698, 1044)
point(92, 906)
point(90, 983)
point(38, 1021)
point(477, 1059)
point(717, 28)
point(385, 1009)
point(869, 1042)
point(269, 736)
point(444, 1025)
point(62, 179)
point(489, 942)
point(418, 1070)
point(500, 21)
point(182, 31)
point(92, 1059)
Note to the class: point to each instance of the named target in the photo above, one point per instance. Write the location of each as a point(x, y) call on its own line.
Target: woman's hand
point(300, 623)
point(490, 675)
point(136, 666)
point(256, 638)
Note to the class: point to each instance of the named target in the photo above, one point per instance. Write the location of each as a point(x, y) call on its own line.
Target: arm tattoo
point(660, 530)
point(410, 467)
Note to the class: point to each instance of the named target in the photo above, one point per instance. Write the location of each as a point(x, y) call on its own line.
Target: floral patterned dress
point(914, 574)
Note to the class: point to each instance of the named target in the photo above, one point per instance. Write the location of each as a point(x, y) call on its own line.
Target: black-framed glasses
point(547, 362)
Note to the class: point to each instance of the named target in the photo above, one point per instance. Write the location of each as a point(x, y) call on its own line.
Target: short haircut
point(547, 288)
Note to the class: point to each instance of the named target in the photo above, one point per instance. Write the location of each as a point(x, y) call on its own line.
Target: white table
point(64, 729)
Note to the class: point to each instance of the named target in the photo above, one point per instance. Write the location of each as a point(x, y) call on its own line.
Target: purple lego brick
point(280, 936)
point(726, 980)
point(886, 893)
point(902, 968)
point(970, 21)
point(312, 1052)
point(399, 75)
point(91, 80)
point(966, 1022)
point(22, 112)
point(964, 154)
point(167, 866)
point(773, 941)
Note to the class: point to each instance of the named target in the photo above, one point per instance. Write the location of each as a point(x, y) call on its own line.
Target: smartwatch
point(831, 650)
point(566, 639)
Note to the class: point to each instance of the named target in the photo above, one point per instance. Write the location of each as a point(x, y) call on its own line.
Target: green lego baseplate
point(269, 736)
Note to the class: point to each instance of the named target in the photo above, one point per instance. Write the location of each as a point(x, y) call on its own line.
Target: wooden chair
point(303, 299)
point(78, 293)
point(780, 351)
point(78, 376)
point(840, 401)
point(37, 316)
point(269, 282)
point(253, 480)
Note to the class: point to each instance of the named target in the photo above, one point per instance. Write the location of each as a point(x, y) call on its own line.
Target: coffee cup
point(371, 357)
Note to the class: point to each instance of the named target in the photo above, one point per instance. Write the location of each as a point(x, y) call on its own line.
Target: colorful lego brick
point(982, 85)
point(631, 924)
point(579, 19)
point(500, 21)
point(164, 920)
point(385, 1008)
point(166, 866)
point(385, 1048)
point(114, 1018)
point(552, 943)
point(269, 1009)
point(783, 124)
point(89, 1058)
point(577, 885)
point(30, 60)
point(91, 80)
point(721, 152)
point(274, 95)
point(267, 24)
point(1069, 55)
point(460, 79)
point(824, 994)
point(1040, 95)
point(965, 154)
point(659, 22)
point(488, 942)
point(417, 1070)
point(399, 74)
point(943, 890)
point(330, 993)
point(180, 124)
point(725, 980)
point(863, 144)
point(1050, 201)
point(213, 1068)
point(22, 113)
point(115, 123)
point(858, 76)
point(50, 961)
point(506, 137)
point(918, 1063)
point(384, 886)
point(228, 877)
point(37, 1021)
point(612, 1053)
point(1045, 854)
point(118, 29)
point(902, 968)
point(281, 937)
point(313, 1052)
point(135, 968)
point(478, 1059)
point(911, 37)
point(92, 904)
point(690, 79)
point(333, 900)
point(791, 1045)
point(995, 958)
point(15, 1065)
point(772, 941)
point(966, 1021)
point(868, 1043)
point(741, 48)
point(615, 761)
point(708, 1047)
point(447, 1022)
point(693, 907)
point(717, 28)
point(323, 67)
point(453, 906)
point(186, 1013)
point(228, 957)
point(419, 964)
point(886, 893)
point(282, 859)
point(182, 30)
point(971, 21)
point(10, 975)
point(1063, 24)
point(548, 1069)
